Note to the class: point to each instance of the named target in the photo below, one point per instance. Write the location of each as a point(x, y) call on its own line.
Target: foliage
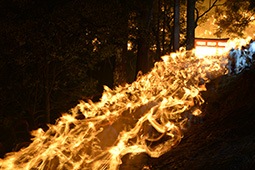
point(233, 17)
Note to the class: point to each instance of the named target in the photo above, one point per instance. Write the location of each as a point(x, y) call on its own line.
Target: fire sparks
point(148, 116)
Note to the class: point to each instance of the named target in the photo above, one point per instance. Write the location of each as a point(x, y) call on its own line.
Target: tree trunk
point(142, 63)
point(142, 55)
point(176, 37)
point(157, 34)
point(164, 33)
point(47, 94)
point(120, 67)
point(190, 24)
point(120, 70)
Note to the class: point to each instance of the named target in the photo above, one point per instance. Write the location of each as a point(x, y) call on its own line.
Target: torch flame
point(145, 116)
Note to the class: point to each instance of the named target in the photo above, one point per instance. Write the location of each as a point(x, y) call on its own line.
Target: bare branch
point(197, 16)
point(205, 12)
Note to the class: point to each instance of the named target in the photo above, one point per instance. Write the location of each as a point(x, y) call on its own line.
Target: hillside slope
point(223, 139)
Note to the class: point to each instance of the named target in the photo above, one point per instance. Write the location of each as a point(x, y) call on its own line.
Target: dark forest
point(57, 52)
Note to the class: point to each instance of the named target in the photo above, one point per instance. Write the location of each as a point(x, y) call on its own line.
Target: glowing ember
point(148, 116)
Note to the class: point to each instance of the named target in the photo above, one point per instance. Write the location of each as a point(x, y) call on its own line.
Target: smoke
point(252, 48)
point(241, 59)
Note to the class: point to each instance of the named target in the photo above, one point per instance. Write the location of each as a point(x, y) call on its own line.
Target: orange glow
point(215, 47)
point(238, 42)
point(210, 47)
point(145, 116)
point(205, 51)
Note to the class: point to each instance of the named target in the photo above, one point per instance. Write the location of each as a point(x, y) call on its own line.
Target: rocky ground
point(224, 139)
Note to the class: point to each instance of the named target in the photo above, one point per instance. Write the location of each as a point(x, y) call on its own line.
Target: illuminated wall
point(210, 46)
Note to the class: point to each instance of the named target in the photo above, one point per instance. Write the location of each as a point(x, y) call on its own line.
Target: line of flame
point(148, 116)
